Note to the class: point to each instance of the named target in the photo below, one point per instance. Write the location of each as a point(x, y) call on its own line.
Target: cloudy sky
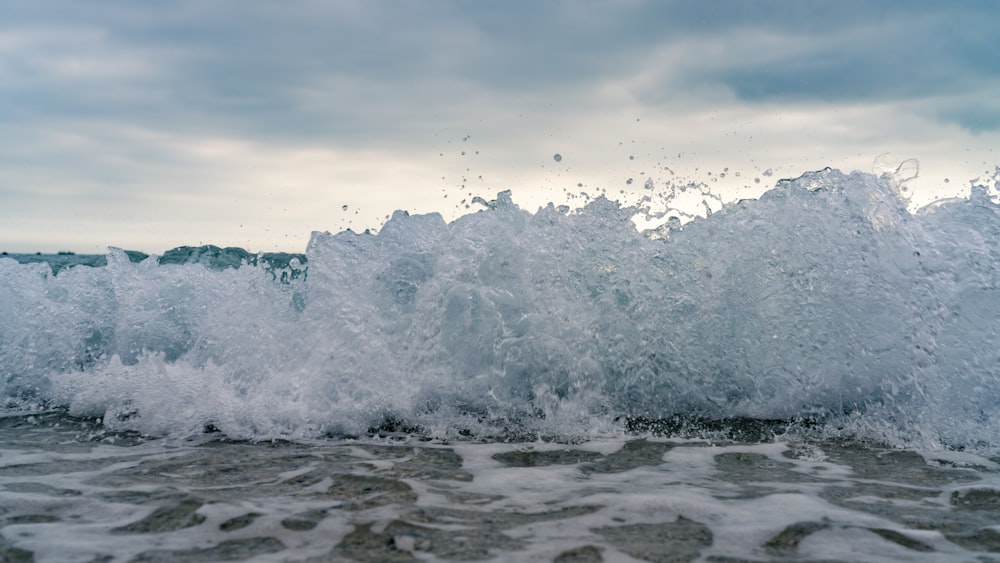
point(149, 125)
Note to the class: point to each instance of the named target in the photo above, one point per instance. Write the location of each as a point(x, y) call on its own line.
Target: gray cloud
point(940, 52)
point(265, 69)
point(98, 98)
point(977, 115)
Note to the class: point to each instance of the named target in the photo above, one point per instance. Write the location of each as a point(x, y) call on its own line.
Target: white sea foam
point(76, 497)
point(826, 300)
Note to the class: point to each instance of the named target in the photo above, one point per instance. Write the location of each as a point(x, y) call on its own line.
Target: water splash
point(897, 174)
point(826, 299)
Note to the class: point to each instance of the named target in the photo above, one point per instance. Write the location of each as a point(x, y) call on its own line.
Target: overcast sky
point(148, 125)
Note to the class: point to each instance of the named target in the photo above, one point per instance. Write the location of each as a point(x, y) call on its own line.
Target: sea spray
point(825, 300)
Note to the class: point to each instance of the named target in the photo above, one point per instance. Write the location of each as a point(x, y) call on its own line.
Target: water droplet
point(343, 207)
point(557, 157)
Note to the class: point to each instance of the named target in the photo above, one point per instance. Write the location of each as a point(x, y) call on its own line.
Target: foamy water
point(826, 301)
point(73, 491)
point(811, 375)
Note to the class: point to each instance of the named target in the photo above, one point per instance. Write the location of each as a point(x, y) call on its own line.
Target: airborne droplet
point(557, 157)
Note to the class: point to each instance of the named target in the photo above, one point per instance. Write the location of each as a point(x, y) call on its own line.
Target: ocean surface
point(811, 375)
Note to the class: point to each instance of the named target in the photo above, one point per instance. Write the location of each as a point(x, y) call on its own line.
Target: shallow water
point(70, 490)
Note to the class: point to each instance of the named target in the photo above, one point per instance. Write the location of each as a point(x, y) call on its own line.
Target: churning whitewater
point(826, 300)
